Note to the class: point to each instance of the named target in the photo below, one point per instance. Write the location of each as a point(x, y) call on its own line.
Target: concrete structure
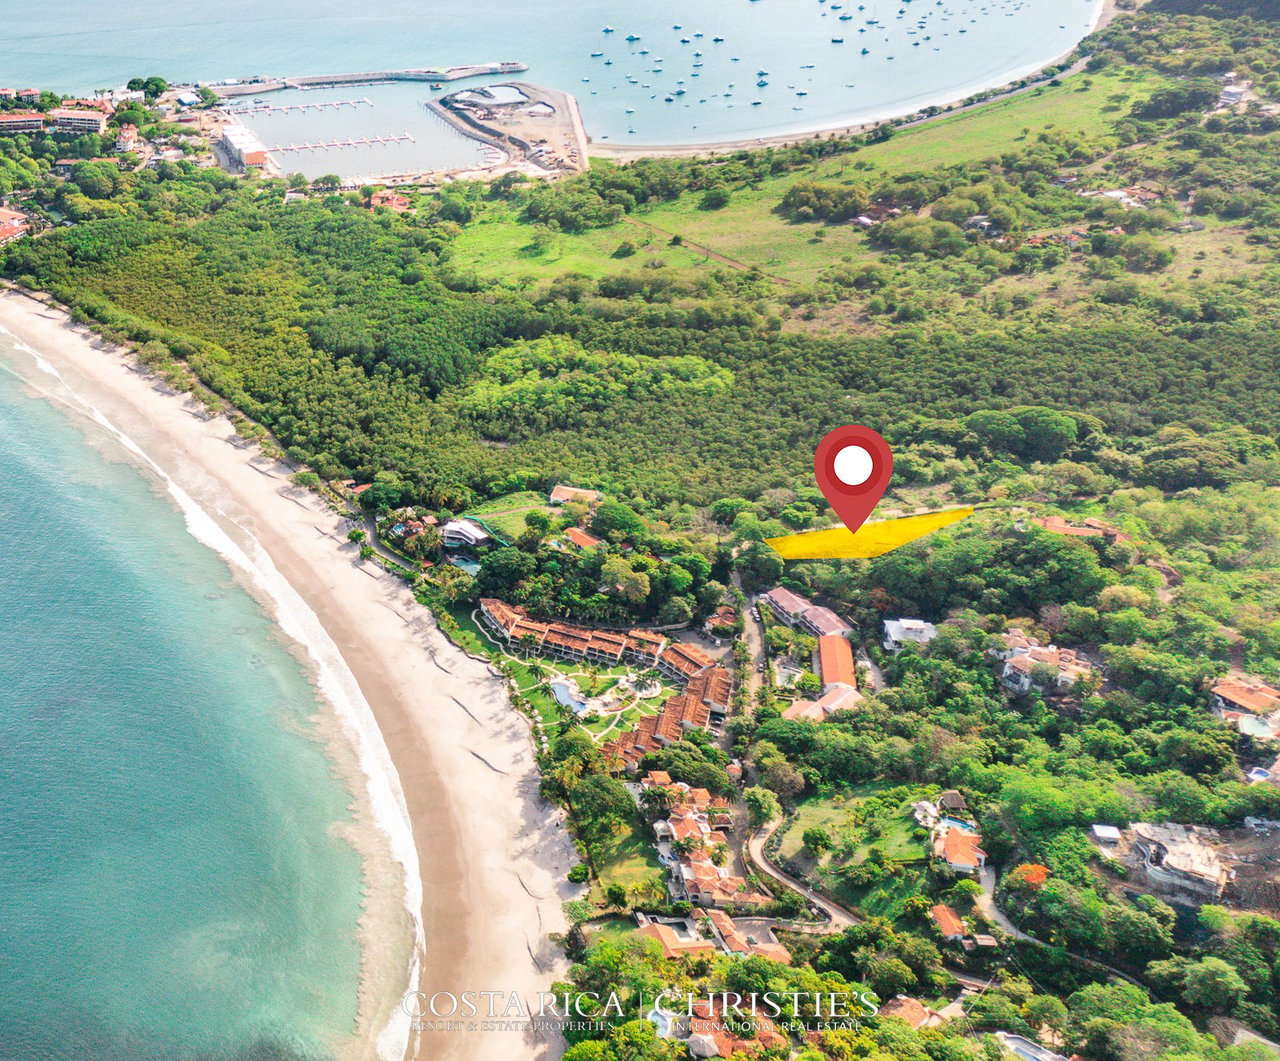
point(1024, 1048)
point(1178, 857)
point(1106, 834)
point(243, 147)
point(899, 633)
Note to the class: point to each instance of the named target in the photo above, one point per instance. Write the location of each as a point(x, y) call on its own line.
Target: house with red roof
point(583, 539)
point(960, 849)
point(948, 922)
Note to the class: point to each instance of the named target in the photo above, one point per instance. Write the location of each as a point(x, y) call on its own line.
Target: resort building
point(785, 605)
point(1178, 857)
point(835, 661)
point(680, 661)
point(463, 534)
point(73, 121)
point(795, 610)
point(839, 682)
point(823, 622)
point(28, 94)
point(21, 122)
point(243, 147)
point(644, 647)
point(898, 633)
point(953, 801)
point(13, 225)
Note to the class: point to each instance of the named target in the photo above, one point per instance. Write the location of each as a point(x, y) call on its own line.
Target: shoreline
point(486, 857)
point(1106, 13)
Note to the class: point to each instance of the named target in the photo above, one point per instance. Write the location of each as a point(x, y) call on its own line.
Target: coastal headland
point(493, 867)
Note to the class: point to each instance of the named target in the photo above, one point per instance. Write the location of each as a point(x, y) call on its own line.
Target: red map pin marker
point(852, 465)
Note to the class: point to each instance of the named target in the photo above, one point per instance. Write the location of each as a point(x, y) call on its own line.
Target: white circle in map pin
point(853, 466)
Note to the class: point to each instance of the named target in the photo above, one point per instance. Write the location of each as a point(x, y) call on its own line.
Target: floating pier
point(284, 108)
point(358, 141)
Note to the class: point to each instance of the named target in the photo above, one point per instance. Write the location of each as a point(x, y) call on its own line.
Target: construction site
point(537, 125)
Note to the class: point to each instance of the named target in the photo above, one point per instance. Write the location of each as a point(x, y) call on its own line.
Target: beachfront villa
point(675, 660)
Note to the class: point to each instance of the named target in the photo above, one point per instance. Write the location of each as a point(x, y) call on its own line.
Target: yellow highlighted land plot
point(871, 539)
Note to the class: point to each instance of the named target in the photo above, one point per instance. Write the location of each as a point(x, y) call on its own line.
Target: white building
point(462, 534)
point(901, 632)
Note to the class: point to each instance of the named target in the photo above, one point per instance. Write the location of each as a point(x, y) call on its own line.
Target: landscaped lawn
point(893, 834)
point(629, 859)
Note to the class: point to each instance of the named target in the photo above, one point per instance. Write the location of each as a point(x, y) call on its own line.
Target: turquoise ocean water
point(172, 881)
point(652, 90)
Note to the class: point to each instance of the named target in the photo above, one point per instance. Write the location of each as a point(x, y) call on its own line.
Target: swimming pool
point(566, 697)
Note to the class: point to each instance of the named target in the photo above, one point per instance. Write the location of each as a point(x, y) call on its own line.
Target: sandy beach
point(493, 854)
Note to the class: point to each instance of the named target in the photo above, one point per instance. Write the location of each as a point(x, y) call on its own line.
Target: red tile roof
point(835, 660)
point(947, 920)
point(582, 539)
point(574, 493)
point(791, 603)
point(687, 659)
point(1254, 696)
point(672, 945)
point(962, 848)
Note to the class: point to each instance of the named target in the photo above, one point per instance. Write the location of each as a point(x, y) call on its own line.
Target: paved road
point(371, 538)
point(840, 917)
point(987, 904)
point(753, 632)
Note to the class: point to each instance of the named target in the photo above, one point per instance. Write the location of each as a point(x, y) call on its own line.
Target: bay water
point(175, 881)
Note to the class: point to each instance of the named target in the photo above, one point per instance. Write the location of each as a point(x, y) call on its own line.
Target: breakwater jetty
point(258, 85)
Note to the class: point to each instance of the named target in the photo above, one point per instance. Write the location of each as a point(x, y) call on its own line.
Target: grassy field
point(630, 860)
point(748, 231)
point(854, 836)
point(506, 514)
